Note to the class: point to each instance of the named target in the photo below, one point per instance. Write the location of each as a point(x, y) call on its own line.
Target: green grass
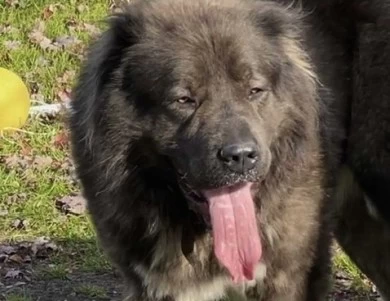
point(342, 262)
point(18, 297)
point(30, 194)
point(91, 291)
point(26, 60)
point(59, 271)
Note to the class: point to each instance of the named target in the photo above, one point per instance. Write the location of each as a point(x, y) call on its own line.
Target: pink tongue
point(236, 238)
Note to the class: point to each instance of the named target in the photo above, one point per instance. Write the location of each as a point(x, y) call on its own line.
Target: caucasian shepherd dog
point(205, 137)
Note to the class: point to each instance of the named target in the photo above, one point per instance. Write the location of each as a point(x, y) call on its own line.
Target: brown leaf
point(16, 258)
point(23, 162)
point(20, 224)
point(36, 36)
point(41, 162)
point(72, 204)
point(8, 29)
point(61, 140)
point(16, 198)
point(42, 247)
point(67, 77)
point(15, 161)
point(12, 45)
point(91, 29)
point(66, 41)
point(64, 96)
point(26, 150)
point(14, 274)
point(47, 13)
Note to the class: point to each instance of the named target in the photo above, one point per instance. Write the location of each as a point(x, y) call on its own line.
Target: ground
point(48, 249)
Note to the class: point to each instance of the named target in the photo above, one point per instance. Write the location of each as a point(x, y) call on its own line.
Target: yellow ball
point(14, 100)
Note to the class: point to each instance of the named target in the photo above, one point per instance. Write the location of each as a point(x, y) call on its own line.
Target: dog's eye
point(186, 100)
point(255, 91)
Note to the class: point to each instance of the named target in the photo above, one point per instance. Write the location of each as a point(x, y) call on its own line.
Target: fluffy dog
point(206, 135)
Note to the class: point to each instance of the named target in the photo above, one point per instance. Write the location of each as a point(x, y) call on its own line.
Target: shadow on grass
point(56, 270)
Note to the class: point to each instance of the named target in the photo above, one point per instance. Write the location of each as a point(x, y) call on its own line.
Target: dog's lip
point(196, 202)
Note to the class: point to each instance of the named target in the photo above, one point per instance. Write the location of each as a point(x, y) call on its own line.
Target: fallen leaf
point(66, 77)
point(14, 274)
point(61, 140)
point(16, 258)
point(16, 198)
point(42, 247)
point(92, 29)
point(23, 162)
point(8, 29)
point(3, 212)
point(41, 162)
point(66, 41)
point(48, 11)
point(8, 250)
point(64, 96)
point(15, 161)
point(20, 224)
point(12, 45)
point(72, 204)
point(36, 36)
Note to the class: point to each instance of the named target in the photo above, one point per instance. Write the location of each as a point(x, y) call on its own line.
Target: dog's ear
point(103, 58)
point(284, 25)
point(275, 19)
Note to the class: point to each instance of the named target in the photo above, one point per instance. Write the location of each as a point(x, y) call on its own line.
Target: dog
point(207, 136)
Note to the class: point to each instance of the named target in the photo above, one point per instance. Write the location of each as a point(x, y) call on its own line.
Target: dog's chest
point(185, 287)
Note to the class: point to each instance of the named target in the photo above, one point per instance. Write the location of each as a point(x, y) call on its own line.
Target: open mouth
point(231, 214)
point(196, 201)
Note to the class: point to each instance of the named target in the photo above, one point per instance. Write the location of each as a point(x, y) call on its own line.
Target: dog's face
point(214, 88)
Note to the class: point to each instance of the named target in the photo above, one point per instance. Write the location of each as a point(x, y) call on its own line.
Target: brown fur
point(129, 140)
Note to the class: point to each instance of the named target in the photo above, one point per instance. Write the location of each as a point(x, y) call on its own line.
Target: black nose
point(239, 157)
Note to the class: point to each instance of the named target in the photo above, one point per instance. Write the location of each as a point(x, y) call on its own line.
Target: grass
point(59, 271)
point(91, 291)
point(28, 58)
point(343, 263)
point(29, 194)
point(17, 297)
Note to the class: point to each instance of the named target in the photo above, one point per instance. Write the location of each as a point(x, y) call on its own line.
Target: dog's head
point(213, 84)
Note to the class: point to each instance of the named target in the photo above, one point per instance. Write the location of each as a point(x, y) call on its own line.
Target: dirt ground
point(84, 286)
